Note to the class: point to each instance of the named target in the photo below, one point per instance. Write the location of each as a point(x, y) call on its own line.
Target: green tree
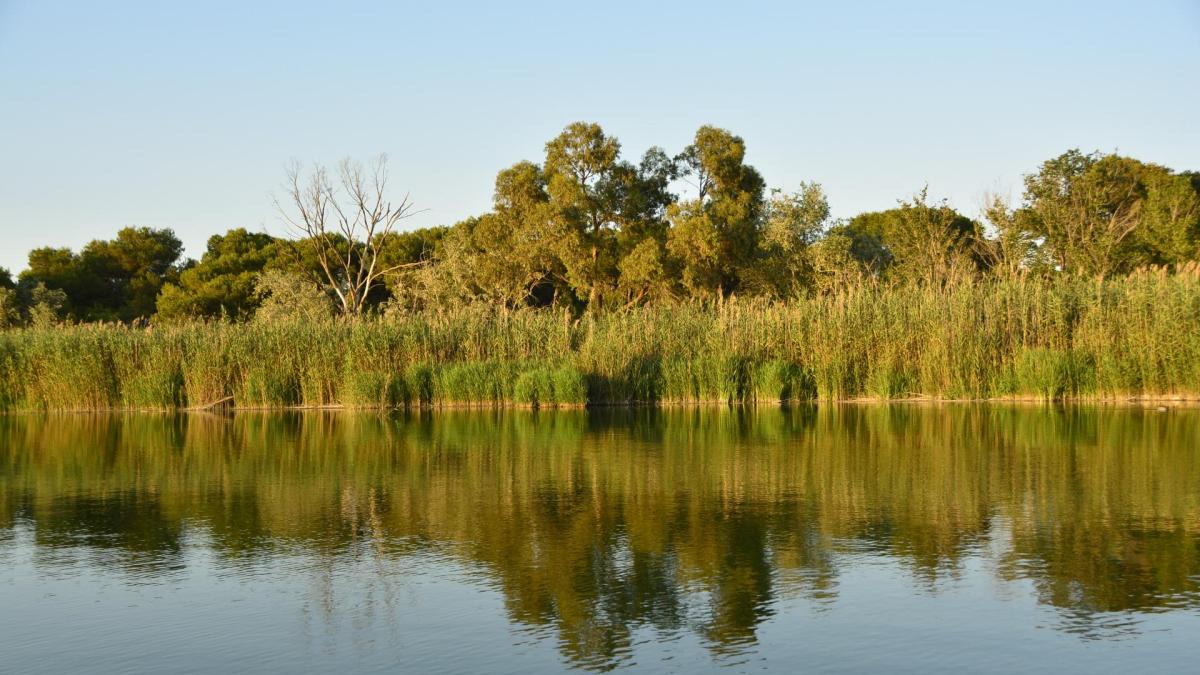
point(644, 273)
point(60, 269)
point(287, 296)
point(645, 196)
point(1084, 207)
point(715, 236)
point(133, 267)
point(1012, 249)
point(583, 180)
point(1169, 230)
point(223, 282)
point(694, 244)
point(793, 223)
point(510, 256)
point(932, 242)
point(409, 256)
point(837, 262)
point(117, 279)
point(46, 306)
point(10, 308)
point(917, 241)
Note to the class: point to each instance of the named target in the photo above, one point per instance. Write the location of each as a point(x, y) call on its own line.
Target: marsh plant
point(1039, 338)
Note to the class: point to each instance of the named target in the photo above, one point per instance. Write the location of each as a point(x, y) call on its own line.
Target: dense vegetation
point(1034, 337)
point(592, 280)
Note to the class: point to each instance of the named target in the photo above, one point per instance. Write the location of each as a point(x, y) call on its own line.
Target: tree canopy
point(589, 230)
point(113, 280)
point(223, 282)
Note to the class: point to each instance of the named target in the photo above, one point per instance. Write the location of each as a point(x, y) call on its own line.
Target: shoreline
point(1165, 402)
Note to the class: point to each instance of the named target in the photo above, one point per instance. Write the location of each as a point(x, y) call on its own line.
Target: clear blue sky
point(183, 115)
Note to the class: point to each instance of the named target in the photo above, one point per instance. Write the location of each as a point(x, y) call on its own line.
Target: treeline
point(587, 229)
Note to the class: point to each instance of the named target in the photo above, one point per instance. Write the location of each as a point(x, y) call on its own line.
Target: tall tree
point(645, 195)
point(1085, 207)
point(715, 236)
point(1012, 249)
point(61, 269)
point(583, 178)
point(511, 255)
point(1169, 230)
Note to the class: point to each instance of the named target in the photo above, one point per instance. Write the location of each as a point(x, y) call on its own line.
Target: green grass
point(1032, 338)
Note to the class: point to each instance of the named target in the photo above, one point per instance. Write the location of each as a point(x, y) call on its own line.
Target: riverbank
point(1135, 337)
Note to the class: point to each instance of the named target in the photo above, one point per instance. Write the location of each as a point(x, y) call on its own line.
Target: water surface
point(918, 538)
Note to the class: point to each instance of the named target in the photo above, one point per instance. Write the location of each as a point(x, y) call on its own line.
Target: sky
point(184, 115)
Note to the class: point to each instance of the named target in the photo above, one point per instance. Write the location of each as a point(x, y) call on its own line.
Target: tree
point(715, 236)
point(10, 309)
point(645, 196)
point(1169, 231)
point(695, 245)
point(46, 306)
point(842, 258)
point(135, 265)
point(345, 227)
point(644, 274)
point(410, 255)
point(60, 269)
point(1012, 249)
point(1085, 207)
point(223, 282)
point(511, 255)
point(1108, 214)
point(917, 241)
point(286, 296)
point(932, 242)
point(564, 234)
point(583, 178)
point(117, 279)
point(793, 222)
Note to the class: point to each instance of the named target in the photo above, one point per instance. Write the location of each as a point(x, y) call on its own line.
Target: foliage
point(223, 282)
point(10, 309)
point(1027, 336)
point(1107, 214)
point(46, 306)
point(116, 279)
point(285, 296)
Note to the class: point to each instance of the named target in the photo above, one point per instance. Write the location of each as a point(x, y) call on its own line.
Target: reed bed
point(1047, 339)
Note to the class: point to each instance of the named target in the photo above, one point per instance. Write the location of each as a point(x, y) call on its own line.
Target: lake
point(932, 538)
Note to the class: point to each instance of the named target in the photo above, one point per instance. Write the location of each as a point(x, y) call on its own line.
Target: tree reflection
point(600, 524)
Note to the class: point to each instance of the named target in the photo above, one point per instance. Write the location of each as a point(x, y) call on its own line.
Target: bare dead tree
point(346, 226)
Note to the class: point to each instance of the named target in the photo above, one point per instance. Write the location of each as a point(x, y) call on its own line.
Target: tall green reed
point(1046, 338)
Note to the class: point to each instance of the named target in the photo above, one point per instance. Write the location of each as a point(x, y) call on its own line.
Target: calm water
point(824, 539)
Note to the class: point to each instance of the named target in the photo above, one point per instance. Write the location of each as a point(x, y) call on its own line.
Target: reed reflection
point(595, 525)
